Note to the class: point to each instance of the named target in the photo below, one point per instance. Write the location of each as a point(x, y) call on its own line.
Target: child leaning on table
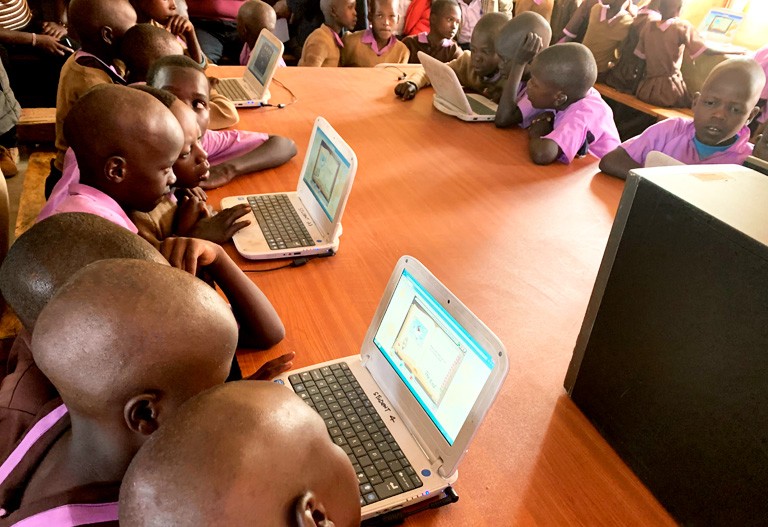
point(323, 46)
point(231, 153)
point(564, 114)
point(230, 442)
point(377, 44)
point(477, 69)
point(444, 20)
point(718, 132)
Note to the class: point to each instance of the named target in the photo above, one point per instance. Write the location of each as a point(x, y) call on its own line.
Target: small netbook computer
point(719, 28)
point(252, 88)
point(306, 222)
point(450, 97)
point(407, 407)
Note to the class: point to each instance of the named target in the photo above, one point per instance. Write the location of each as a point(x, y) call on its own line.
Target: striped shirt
point(14, 14)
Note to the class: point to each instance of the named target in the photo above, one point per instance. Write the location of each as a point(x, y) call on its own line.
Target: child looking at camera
point(444, 21)
point(377, 44)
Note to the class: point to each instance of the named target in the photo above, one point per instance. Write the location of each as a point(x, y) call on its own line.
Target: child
point(518, 42)
point(579, 122)
point(473, 10)
point(162, 13)
point(439, 43)
point(233, 453)
point(100, 26)
point(661, 45)
point(125, 143)
point(630, 68)
point(718, 132)
point(576, 27)
point(232, 152)
point(540, 7)
point(142, 45)
point(323, 46)
point(477, 70)
point(252, 17)
point(607, 28)
point(121, 369)
point(377, 44)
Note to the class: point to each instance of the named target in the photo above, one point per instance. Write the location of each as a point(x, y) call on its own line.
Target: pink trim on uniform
point(422, 38)
point(369, 38)
point(72, 515)
point(666, 23)
point(604, 12)
point(568, 33)
point(84, 198)
point(674, 137)
point(245, 56)
point(223, 145)
point(336, 37)
point(32, 436)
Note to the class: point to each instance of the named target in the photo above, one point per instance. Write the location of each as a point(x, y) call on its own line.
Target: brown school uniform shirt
point(491, 87)
point(322, 48)
point(157, 225)
point(358, 53)
point(78, 75)
point(444, 52)
point(605, 35)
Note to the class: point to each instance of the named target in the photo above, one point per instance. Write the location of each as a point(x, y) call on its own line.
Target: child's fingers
point(232, 229)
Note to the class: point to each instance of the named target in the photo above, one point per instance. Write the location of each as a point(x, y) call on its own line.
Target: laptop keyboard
point(479, 108)
point(233, 90)
point(279, 221)
point(353, 424)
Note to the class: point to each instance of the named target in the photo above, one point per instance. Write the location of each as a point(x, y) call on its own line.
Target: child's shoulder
point(353, 37)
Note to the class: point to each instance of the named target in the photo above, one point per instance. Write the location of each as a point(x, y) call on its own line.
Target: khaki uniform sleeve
point(222, 110)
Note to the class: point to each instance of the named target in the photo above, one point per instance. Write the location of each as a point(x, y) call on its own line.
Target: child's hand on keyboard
point(271, 369)
point(189, 212)
point(222, 226)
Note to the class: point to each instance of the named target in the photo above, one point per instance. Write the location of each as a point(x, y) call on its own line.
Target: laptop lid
point(435, 361)
point(445, 82)
point(326, 178)
point(719, 26)
point(263, 62)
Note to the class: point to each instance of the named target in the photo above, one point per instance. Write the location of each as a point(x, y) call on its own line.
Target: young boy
point(230, 152)
point(718, 132)
point(232, 456)
point(444, 20)
point(99, 26)
point(608, 26)
point(477, 70)
point(252, 17)
point(518, 42)
point(162, 13)
point(125, 142)
point(564, 114)
point(323, 46)
point(377, 44)
point(105, 342)
point(142, 45)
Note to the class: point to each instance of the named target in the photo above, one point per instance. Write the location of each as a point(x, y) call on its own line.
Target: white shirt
point(470, 14)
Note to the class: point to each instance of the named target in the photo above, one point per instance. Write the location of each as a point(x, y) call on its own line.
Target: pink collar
point(369, 39)
point(604, 12)
point(81, 53)
point(422, 38)
point(664, 25)
point(336, 37)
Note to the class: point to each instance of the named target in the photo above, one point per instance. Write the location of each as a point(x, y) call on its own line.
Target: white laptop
point(719, 28)
point(407, 407)
point(450, 97)
point(252, 89)
point(306, 222)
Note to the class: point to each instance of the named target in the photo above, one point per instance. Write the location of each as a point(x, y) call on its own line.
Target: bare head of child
point(192, 167)
point(339, 14)
point(514, 37)
point(383, 17)
point(100, 25)
point(158, 10)
point(252, 17)
point(105, 342)
point(727, 101)
point(246, 453)
point(485, 62)
point(50, 252)
point(142, 45)
point(445, 19)
point(670, 8)
point(561, 75)
point(186, 79)
point(125, 142)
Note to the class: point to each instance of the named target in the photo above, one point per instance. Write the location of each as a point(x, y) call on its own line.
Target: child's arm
point(313, 54)
point(260, 326)
point(618, 163)
point(407, 89)
point(271, 153)
point(223, 112)
point(508, 114)
point(218, 228)
point(543, 151)
point(180, 26)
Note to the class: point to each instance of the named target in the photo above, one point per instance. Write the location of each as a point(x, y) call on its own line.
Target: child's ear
point(114, 169)
point(140, 413)
point(561, 99)
point(107, 35)
point(309, 512)
point(755, 111)
point(695, 98)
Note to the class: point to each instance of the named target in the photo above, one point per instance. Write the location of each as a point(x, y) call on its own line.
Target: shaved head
point(98, 23)
point(513, 33)
point(127, 340)
point(247, 453)
point(490, 25)
point(252, 17)
point(568, 67)
point(741, 71)
point(142, 45)
point(49, 253)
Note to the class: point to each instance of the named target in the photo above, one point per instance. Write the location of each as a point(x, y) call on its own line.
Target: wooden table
point(518, 243)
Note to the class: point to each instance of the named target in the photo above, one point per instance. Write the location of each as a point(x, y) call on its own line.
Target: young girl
point(377, 44)
point(661, 45)
point(607, 28)
point(444, 21)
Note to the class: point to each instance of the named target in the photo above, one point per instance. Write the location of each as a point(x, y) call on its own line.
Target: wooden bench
point(633, 102)
point(37, 125)
point(32, 196)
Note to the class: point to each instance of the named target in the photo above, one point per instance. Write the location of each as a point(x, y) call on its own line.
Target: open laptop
point(449, 95)
point(406, 408)
point(306, 222)
point(718, 29)
point(252, 88)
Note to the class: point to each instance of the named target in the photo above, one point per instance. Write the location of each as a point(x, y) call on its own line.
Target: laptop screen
point(720, 24)
point(441, 364)
point(327, 173)
point(267, 55)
